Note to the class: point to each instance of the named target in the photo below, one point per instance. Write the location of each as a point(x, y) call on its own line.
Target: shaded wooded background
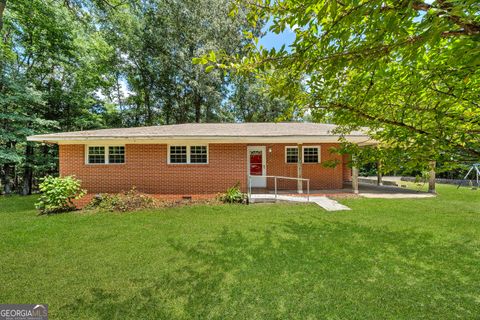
point(408, 70)
point(86, 64)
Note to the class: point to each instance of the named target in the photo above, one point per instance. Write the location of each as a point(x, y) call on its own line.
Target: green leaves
point(58, 194)
point(205, 59)
point(201, 60)
point(209, 69)
point(406, 73)
point(212, 57)
point(85, 64)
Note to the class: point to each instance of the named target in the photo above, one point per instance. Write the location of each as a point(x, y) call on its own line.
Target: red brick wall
point(147, 169)
point(347, 171)
point(320, 177)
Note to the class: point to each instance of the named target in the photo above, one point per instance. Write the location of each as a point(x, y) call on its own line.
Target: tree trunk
point(119, 93)
point(198, 108)
point(167, 112)
point(7, 178)
point(169, 109)
point(149, 120)
point(3, 5)
point(28, 170)
point(8, 172)
point(15, 186)
point(431, 177)
point(379, 173)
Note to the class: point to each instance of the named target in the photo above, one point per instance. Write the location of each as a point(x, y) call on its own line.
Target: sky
point(272, 40)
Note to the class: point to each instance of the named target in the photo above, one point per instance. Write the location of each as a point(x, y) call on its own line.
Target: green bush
point(123, 202)
point(58, 194)
point(234, 195)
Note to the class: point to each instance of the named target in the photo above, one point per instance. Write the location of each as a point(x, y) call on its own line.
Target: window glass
point(310, 154)
point(178, 154)
point(292, 154)
point(198, 154)
point(96, 154)
point(116, 154)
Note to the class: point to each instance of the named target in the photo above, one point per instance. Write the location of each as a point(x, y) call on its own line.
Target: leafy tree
point(252, 101)
point(155, 43)
point(50, 69)
point(408, 70)
point(82, 64)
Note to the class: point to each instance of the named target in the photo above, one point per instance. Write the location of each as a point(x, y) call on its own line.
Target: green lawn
point(402, 259)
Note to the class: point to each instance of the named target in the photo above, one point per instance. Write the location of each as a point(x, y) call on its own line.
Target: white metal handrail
point(275, 184)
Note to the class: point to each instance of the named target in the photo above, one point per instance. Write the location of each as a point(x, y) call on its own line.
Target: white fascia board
point(190, 139)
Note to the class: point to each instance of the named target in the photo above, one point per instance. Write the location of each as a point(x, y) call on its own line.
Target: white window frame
point(106, 155)
point(311, 147)
point(188, 145)
point(290, 147)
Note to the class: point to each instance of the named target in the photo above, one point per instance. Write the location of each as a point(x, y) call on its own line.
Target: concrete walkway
point(324, 202)
point(320, 197)
point(397, 195)
point(391, 192)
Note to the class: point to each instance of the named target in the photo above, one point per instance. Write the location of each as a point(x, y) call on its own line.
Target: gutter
point(360, 140)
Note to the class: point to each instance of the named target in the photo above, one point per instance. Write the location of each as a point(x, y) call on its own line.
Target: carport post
point(354, 176)
point(299, 168)
point(355, 180)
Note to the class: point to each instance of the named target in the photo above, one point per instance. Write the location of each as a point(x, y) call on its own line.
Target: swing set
point(475, 169)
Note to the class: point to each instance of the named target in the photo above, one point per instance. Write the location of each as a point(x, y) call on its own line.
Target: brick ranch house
point(195, 159)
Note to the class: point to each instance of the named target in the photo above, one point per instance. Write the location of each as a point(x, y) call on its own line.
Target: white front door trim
point(258, 181)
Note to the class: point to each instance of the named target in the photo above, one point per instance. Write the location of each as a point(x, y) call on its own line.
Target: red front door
point(256, 163)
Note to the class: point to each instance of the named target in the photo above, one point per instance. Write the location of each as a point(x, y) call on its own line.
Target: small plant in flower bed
point(58, 194)
point(128, 201)
point(234, 195)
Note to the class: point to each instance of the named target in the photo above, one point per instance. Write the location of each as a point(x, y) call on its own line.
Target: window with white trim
point(105, 154)
point(188, 154)
point(198, 154)
point(96, 154)
point(116, 154)
point(178, 154)
point(311, 154)
point(291, 154)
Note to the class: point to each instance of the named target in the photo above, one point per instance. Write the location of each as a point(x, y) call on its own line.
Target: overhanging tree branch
point(379, 119)
point(383, 49)
point(444, 10)
point(421, 6)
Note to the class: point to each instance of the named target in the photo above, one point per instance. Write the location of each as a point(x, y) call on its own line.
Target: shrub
point(58, 194)
point(123, 202)
point(234, 195)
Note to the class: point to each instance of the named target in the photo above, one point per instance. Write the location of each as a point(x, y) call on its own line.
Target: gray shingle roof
point(286, 132)
point(190, 130)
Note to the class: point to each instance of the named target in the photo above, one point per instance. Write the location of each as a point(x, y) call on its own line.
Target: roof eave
point(359, 139)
